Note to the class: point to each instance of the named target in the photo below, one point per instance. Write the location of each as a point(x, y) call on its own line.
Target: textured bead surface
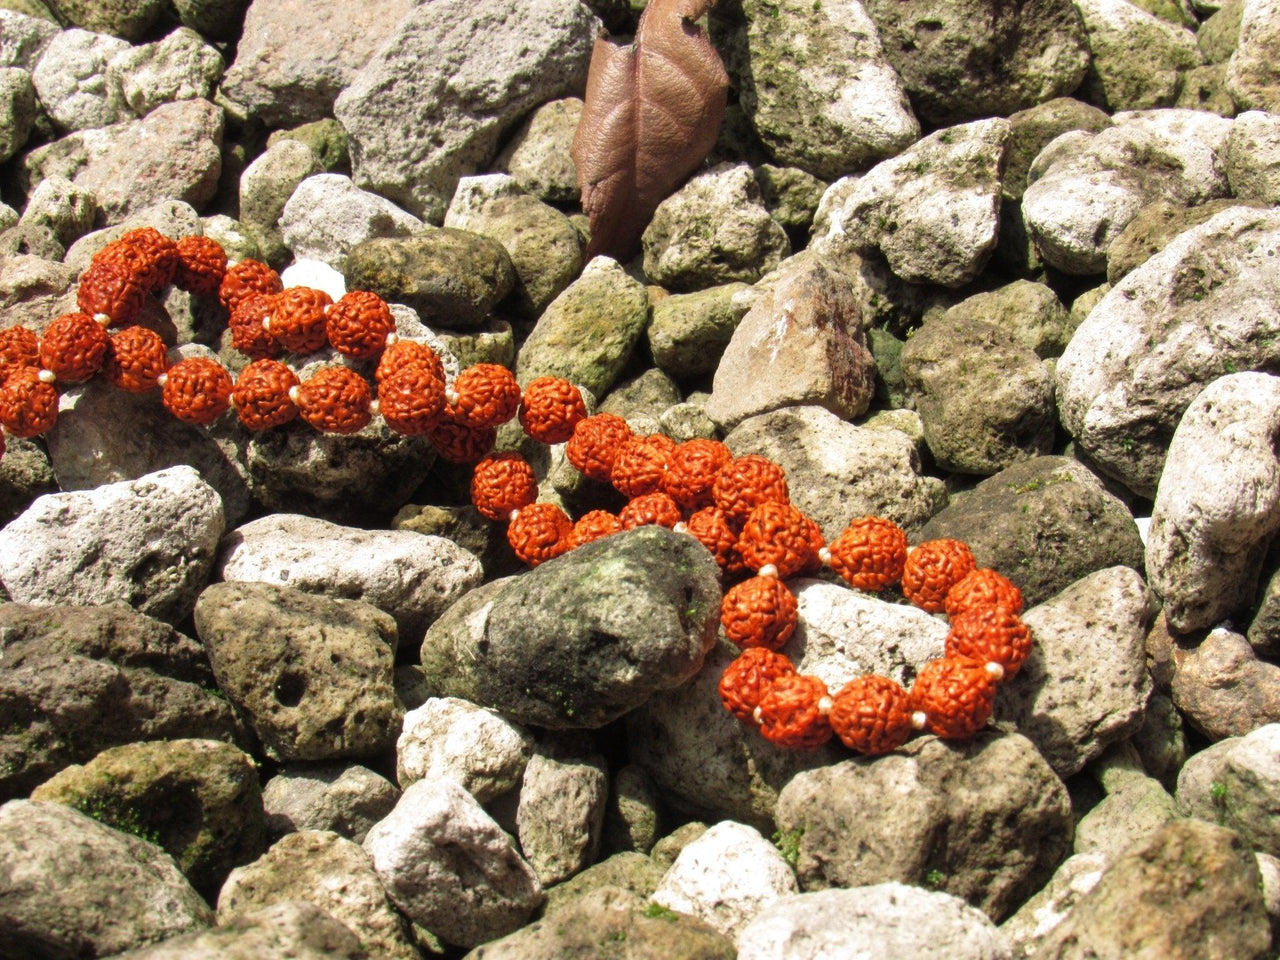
point(411, 398)
point(871, 714)
point(692, 471)
point(261, 394)
point(460, 444)
point(73, 346)
point(197, 390)
point(488, 396)
point(202, 263)
point(335, 400)
point(538, 533)
point(593, 525)
point(746, 482)
point(152, 256)
point(246, 278)
point(870, 554)
point(595, 443)
point(501, 483)
point(983, 587)
point(19, 347)
point(408, 353)
point(28, 405)
point(358, 324)
point(790, 713)
point(994, 634)
point(932, 569)
point(297, 319)
point(640, 464)
point(249, 333)
point(759, 612)
point(748, 678)
point(135, 360)
point(650, 508)
point(710, 526)
point(778, 534)
point(955, 695)
point(110, 289)
point(550, 409)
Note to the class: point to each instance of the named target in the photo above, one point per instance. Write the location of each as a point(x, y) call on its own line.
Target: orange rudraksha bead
point(759, 612)
point(793, 712)
point(153, 256)
point(594, 446)
point(932, 569)
point(640, 464)
point(246, 278)
point(28, 404)
point(870, 553)
point(501, 483)
point(710, 526)
point(550, 409)
point(73, 346)
point(692, 470)
point(459, 444)
point(136, 359)
point(777, 534)
point(650, 508)
point(297, 319)
point(990, 634)
point(746, 482)
point(594, 525)
point(745, 681)
point(953, 697)
point(19, 347)
point(871, 714)
point(202, 263)
point(484, 395)
point(335, 400)
point(359, 323)
point(249, 333)
point(983, 588)
point(196, 390)
point(538, 533)
point(411, 398)
point(262, 394)
point(108, 289)
point(408, 353)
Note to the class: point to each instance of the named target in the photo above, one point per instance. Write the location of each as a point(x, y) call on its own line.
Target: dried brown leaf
point(652, 111)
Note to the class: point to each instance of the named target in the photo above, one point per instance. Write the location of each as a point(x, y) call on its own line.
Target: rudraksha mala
point(738, 507)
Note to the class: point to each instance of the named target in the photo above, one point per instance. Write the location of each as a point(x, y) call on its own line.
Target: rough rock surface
point(347, 799)
point(479, 748)
point(561, 809)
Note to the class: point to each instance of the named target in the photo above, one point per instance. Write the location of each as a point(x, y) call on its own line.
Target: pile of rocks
point(998, 272)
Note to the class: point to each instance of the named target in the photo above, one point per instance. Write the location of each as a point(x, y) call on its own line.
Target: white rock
point(327, 215)
point(1253, 72)
point(344, 798)
point(1074, 878)
point(449, 867)
point(1253, 156)
point(23, 39)
point(71, 79)
point(150, 542)
point(179, 67)
point(887, 921)
point(1138, 57)
point(305, 272)
point(726, 877)
point(412, 576)
point(478, 748)
point(561, 811)
point(1218, 502)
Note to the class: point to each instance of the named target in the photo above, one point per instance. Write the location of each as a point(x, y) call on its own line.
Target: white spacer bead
point(231, 400)
point(824, 556)
point(266, 323)
point(293, 395)
point(994, 670)
point(681, 527)
point(162, 379)
point(768, 570)
point(825, 705)
point(451, 395)
point(103, 319)
point(755, 715)
point(327, 308)
point(918, 720)
point(392, 337)
point(511, 517)
point(375, 407)
point(47, 376)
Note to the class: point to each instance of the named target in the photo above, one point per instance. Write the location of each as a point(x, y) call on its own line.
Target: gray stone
point(985, 820)
point(1161, 741)
point(450, 868)
point(791, 196)
point(1218, 502)
point(295, 57)
point(560, 816)
point(128, 19)
point(802, 343)
point(149, 542)
point(75, 887)
point(33, 290)
point(1137, 58)
point(537, 155)
point(582, 639)
point(1151, 230)
point(715, 229)
point(1043, 523)
point(1219, 33)
point(821, 94)
point(1031, 312)
point(25, 473)
point(24, 38)
point(1145, 351)
point(313, 676)
point(70, 78)
point(644, 396)
point(932, 211)
point(963, 61)
point(326, 870)
point(325, 137)
point(197, 799)
point(882, 921)
point(327, 217)
point(1031, 130)
point(480, 749)
point(18, 110)
point(267, 185)
point(1252, 79)
point(1205, 88)
point(629, 870)
point(347, 799)
point(179, 67)
point(544, 247)
point(1235, 783)
point(725, 877)
point(215, 19)
point(633, 814)
point(412, 577)
point(66, 209)
point(588, 333)
point(1253, 157)
point(431, 103)
point(1126, 815)
point(1217, 681)
point(1189, 889)
point(1076, 876)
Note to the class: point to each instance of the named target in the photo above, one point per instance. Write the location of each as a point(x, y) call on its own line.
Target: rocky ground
point(1001, 272)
